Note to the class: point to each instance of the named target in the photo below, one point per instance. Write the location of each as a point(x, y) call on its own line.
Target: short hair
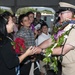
point(30, 12)
point(38, 13)
point(44, 24)
point(20, 19)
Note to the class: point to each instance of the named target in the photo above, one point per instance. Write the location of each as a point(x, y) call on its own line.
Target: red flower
point(19, 45)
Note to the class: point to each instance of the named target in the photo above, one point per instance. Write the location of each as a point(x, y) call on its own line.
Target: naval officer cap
point(63, 6)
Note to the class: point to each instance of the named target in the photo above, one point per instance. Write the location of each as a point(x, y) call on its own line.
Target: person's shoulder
point(41, 35)
point(20, 31)
point(4, 42)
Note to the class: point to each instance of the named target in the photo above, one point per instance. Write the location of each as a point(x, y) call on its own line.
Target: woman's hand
point(30, 51)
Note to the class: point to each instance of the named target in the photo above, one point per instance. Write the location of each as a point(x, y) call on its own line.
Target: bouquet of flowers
point(18, 45)
point(58, 38)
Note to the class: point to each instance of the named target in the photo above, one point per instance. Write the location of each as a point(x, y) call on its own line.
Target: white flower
point(65, 36)
point(68, 27)
point(54, 46)
point(56, 58)
point(49, 55)
point(52, 49)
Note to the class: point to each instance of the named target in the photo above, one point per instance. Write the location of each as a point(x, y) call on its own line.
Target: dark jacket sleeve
point(8, 55)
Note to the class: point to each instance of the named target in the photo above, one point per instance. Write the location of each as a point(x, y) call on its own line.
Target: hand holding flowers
point(20, 48)
point(19, 45)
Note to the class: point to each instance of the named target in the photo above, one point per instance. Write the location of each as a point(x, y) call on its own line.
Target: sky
point(4, 7)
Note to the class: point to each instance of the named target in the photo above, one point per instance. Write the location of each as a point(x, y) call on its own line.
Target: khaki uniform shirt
point(68, 63)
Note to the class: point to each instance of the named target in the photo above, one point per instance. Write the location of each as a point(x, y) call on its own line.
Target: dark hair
point(56, 18)
point(20, 19)
point(3, 23)
point(30, 12)
point(44, 24)
point(6, 15)
point(3, 31)
point(38, 13)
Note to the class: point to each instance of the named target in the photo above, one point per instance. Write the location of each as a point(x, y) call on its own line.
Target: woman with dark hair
point(9, 61)
point(27, 34)
point(6, 15)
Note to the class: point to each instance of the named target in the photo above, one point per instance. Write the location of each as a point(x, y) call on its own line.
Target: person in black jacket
point(9, 61)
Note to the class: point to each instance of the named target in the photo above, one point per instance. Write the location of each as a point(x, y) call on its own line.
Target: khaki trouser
point(42, 68)
point(68, 69)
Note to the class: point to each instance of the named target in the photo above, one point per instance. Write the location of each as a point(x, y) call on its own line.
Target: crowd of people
point(34, 32)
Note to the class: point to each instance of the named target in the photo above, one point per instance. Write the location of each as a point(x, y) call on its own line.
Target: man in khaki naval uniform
point(68, 62)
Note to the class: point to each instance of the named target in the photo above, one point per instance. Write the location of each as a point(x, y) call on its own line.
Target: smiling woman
point(7, 54)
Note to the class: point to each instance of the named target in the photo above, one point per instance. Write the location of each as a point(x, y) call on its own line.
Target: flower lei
point(58, 38)
point(18, 45)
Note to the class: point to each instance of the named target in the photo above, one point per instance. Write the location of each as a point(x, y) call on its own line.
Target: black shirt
point(8, 59)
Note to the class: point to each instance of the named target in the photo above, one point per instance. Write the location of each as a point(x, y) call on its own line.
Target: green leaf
point(21, 48)
point(13, 43)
